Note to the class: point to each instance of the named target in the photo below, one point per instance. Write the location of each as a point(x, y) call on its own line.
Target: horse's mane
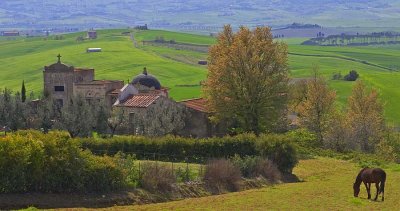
point(358, 179)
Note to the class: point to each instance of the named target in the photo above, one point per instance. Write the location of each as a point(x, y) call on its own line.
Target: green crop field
point(24, 58)
point(327, 185)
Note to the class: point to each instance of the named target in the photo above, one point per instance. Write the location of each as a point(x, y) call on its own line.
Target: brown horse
point(368, 176)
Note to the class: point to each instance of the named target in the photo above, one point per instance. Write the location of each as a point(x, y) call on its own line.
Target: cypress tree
point(23, 92)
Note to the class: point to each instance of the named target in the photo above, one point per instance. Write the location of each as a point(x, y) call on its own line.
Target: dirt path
point(345, 58)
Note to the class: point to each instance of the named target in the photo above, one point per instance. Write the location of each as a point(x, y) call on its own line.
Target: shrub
point(178, 148)
point(102, 174)
point(352, 76)
point(222, 175)
point(157, 177)
point(278, 149)
point(31, 161)
point(268, 170)
point(247, 165)
point(252, 167)
point(337, 76)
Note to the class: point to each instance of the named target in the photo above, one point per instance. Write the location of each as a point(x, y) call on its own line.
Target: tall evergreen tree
point(23, 92)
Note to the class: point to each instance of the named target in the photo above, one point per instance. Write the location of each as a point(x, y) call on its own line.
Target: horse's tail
point(382, 188)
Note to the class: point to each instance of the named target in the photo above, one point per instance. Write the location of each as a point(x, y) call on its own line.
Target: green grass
point(336, 59)
point(24, 58)
point(177, 36)
point(327, 185)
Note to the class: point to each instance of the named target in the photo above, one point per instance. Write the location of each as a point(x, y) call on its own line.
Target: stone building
point(62, 81)
point(199, 125)
point(92, 34)
point(10, 34)
point(143, 92)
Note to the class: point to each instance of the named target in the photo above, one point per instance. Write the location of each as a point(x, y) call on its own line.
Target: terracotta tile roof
point(139, 101)
point(198, 104)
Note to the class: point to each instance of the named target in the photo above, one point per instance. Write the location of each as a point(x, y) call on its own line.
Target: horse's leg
point(377, 190)
point(369, 190)
point(366, 187)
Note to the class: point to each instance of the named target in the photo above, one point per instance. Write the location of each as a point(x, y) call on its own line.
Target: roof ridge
point(186, 100)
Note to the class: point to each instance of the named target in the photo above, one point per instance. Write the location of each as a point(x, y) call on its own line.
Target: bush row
point(276, 148)
point(31, 161)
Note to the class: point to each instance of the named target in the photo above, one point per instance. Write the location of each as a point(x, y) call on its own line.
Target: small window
point(59, 88)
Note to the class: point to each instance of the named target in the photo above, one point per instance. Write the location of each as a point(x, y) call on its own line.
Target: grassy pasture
point(327, 185)
point(336, 59)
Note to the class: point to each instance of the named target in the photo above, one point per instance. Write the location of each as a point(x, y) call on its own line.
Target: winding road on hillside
point(200, 48)
point(345, 58)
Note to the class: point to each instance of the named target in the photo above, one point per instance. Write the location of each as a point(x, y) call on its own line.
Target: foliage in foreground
point(54, 163)
point(34, 162)
point(277, 148)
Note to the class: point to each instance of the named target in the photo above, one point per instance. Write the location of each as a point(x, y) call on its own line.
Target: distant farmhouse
point(62, 82)
point(10, 34)
point(91, 34)
point(93, 50)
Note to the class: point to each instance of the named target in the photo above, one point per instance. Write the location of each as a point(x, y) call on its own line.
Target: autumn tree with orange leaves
point(315, 111)
point(365, 116)
point(247, 79)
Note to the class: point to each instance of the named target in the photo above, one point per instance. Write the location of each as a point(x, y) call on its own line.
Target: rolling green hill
point(23, 59)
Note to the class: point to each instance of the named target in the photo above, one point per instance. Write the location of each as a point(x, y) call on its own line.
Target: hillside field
point(326, 185)
point(24, 58)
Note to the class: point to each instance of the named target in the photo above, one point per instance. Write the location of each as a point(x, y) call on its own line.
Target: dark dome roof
point(146, 80)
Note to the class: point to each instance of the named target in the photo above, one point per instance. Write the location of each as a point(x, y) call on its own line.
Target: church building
point(62, 82)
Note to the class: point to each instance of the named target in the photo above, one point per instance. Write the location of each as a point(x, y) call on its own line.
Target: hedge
point(33, 162)
point(170, 148)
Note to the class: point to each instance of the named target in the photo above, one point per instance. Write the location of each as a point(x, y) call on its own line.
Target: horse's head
point(356, 189)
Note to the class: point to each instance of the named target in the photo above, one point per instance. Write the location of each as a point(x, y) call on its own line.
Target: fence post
point(187, 171)
point(201, 171)
point(156, 162)
point(140, 176)
point(172, 163)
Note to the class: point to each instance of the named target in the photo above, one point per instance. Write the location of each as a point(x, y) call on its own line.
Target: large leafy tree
point(365, 116)
point(164, 117)
point(247, 79)
point(316, 110)
point(77, 118)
